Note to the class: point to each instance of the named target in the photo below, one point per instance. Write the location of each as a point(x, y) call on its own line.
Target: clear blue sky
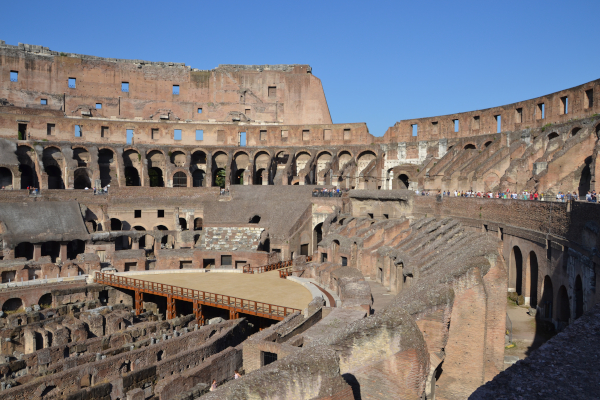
point(379, 61)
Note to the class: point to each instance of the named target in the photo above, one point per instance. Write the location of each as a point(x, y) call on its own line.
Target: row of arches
point(51, 249)
point(523, 279)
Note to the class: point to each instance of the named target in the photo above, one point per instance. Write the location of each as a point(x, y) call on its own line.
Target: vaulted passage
point(180, 179)
point(516, 271)
point(55, 180)
point(132, 177)
point(156, 177)
point(533, 279)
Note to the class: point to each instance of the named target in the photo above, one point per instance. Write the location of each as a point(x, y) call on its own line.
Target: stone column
point(37, 251)
point(63, 251)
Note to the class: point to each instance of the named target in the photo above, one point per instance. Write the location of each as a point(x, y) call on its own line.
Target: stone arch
point(132, 176)
point(579, 306)
point(563, 308)
point(53, 160)
point(531, 290)
point(82, 178)
point(547, 299)
point(106, 158)
point(132, 161)
point(575, 131)
point(178, 158)
point(335, 247)
point(470, 146)
point(403, 181)
point(156, 168)
point(552, 135)
point(323, 158)
point(262, 161)
point(241, 164)
point(301, 159)
point(183, 224)
point(12, 304)
point(364, 159)
point(180, 179)
point(45, 300)
point(24, 249)
point(198, 224)
point(487, 144)
point(220, 160)
point(6, 178)
point(516, 271)
point(317, 234)
point(198, 168)
point(74, 248)
point(29, 177)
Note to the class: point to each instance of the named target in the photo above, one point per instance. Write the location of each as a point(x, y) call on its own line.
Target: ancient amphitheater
point(128, 273)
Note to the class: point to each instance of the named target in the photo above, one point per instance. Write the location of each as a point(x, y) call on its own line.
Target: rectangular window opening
point(199, 134)
point(272, 91)
point(124, 86)
point(267, 358)
point(263, 135)
point(415, 129)
point(564, 105)
point(44, 102)
point(284, 134)
point(208, 263)
point(14, 76)
point(137, 213)
point(589, 98)
point(98, 106)
point(199, 110)
point(50, 129)
point(77, 131)
point(175, 89)
point(476, 122)
point(540, 111)
point(242, 138)
point(498, 123)
point(326, 134)
point(519, 115)
point(160, 213)
point(22, 131)
point(347, 135)
point(247, 112)
point(226, 260)
point(177, 134)
point(305, 135)
point(344, 261)
point(129, 136)
point(154, 133)
point(456, 125)
point(72, 83)
point(104, 131)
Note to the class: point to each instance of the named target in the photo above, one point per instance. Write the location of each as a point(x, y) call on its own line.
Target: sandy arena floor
point(267, 287)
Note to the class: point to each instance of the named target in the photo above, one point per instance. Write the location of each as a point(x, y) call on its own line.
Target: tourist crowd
point(524, 195)
point(327, 192)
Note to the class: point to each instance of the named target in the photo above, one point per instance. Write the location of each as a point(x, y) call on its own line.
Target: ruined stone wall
point(277, 93)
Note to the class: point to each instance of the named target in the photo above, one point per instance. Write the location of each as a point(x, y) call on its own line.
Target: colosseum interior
point(161, 230)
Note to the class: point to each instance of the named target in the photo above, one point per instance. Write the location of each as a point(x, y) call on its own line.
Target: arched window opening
point(578, 297)
point(487, 144)
point(132, 177)
point(470, 147)
point(575, 131)
point(254, 220)
point(258, 177)
point(219, 177)
point(198, 178)
point(105, 158)
point(12, 305)
point(55, 180)
point(81, 179)
point(404, 182)
point(156, 177)
point(45, 301)
point(6, 180)
point(516, 270)
point(116, 224)
point(180, 179)
point(533, 279)
point(198, 224)
point(553, 135)
point(28, 177)
point(183, 224)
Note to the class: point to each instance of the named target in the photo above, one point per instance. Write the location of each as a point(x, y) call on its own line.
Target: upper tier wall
point(287, 94)
point(578, 102)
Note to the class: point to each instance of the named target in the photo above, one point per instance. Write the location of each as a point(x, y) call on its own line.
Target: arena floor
point(267, 287)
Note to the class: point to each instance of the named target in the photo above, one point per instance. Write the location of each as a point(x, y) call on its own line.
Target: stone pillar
point(135, 244)
point(63, 251)
point(37, 251)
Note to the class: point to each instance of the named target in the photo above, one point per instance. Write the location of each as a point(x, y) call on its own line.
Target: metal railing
point(235, 304)
point(247, 269)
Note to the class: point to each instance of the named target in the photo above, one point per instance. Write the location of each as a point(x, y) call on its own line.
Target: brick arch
point(321, 152)
point(127, 148)
point(466, 146)
point(80, 146)
point(365, 152)
point(151, 149)
point(299, 152)
point(238, 152)
point(186, 172)
point(195, 149)
point(349, 151)
point(575, 130)
point(50, 146)
point(256, 153)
